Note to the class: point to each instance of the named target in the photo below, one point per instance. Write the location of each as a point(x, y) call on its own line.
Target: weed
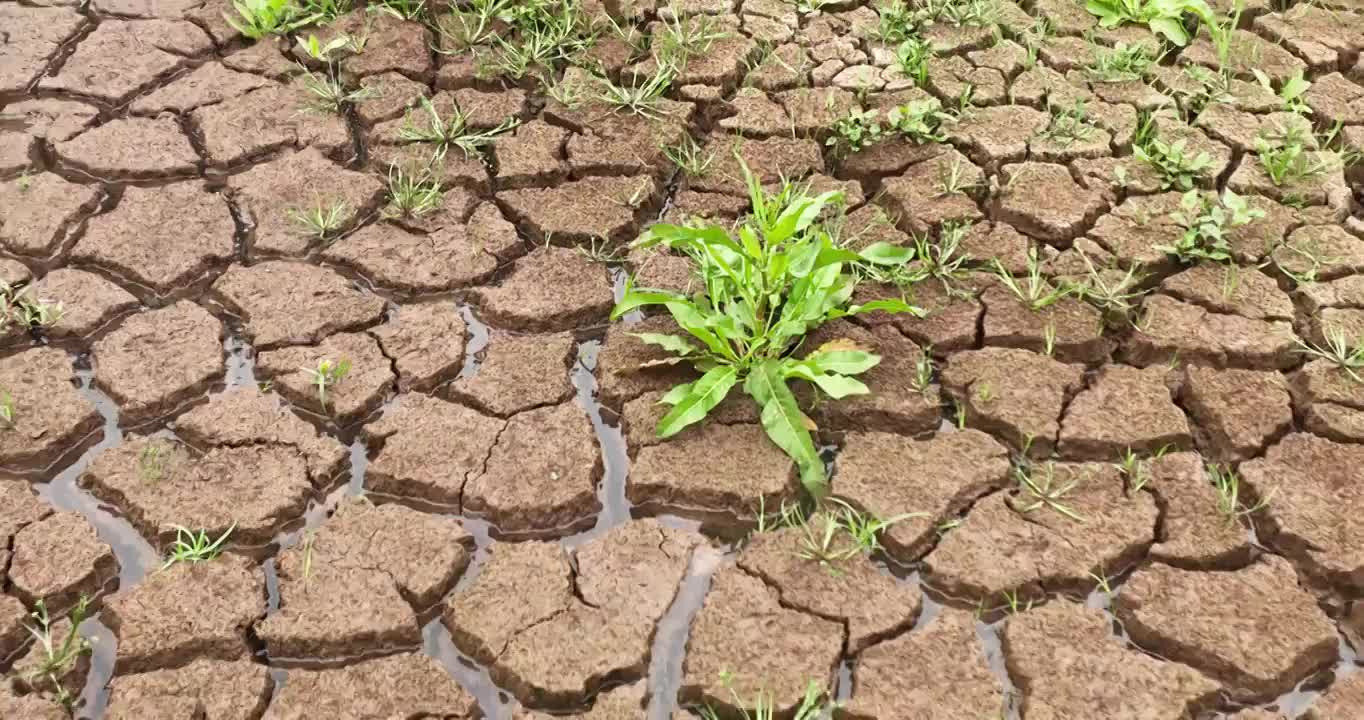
point(857, 130)
point(1137, 469)
point(1206, 218)
point(812, 704)
point(923, 371)
point(639, 98)
point(1293, 92)
point(19, 307)
point(920, 121)
point(323, 220)
point(258, 18)
point(1286, 159)
point(195, 547)
point(328, 96)
point(1228, 485)
point(1177, 167)
point(602, 252)
point(57, 659)
point(1164, 17)
point(411, 194)
point(1068, 126)
point(1102, 581)
point(1221, 32)
point(24, 181)
point(1035, 292)
point(985, 393)
point(1114, 293)
point(952, 179)
point(328, 374)
point(541, 35)
point(1015, 605)
point(780, 278)
point(402, 9)
point(897, 21)
point(452, 133)
point(913, 56)
point(681, 37)
point(1045, 490)
point(151, 465)
point(1122, 63)
point(8, 414)
point(689, 157)
point(1049, 338)
point(316, 50)
point(1339, 351)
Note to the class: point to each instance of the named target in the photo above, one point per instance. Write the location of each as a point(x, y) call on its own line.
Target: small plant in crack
point(56, 659)
point(328, 374)
point(952, 179)
point(913, 57)
point(1292, 93)
point(1040, 488)
point(19, 307)
point(813, 704)
point(1113, 291)
point(601, 251)
point(644, 97)
point(1136, 469)
point(425, 125)
point(323, 220)
point(193, 547)
point(855, 131)
point(1230, 504)
point(411, 194)
point(9, 416)
point(151, 463)
point(1285, 158)
point(1337, 350)
point(1068, 126)
point(1206, 219)
point(1177, 166)
point(259, 18)
point(920, 121)
point(1034, 291)
point(1122, 63)
point(681, 36)
point(922, 381)
point(789, 515)
point(328, 96)
point(688, 156)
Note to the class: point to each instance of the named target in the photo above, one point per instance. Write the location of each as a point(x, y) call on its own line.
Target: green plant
point(1122, 63)
point(328, 374)
point(151, 463)
point(920, 120)
point(540, 35)
point(923, 371)
point(17, 306)
point(1164, 17)
point(1221, 32)
point(781, 278)
point(8, 414)
point(411, 194)
point(896, 21)
point(452, 133)
point(857, 130)
point(1286, 158)
point(57, 658)
point(401, 9)
point(328, 96)
point(195, 547)
point(1339, 351)
point(1113, 292)
point(913, 56)
point(315, 49)
point(1206, 218)
point(679, 37)
point(323, 220)
point(641, 98)
point(688, 156)
point(952, 179)
point(1177, 167)
point(1035, 292)
point(812, 704)
point(259, 18)
point(1228, 485)
point(860, 531)
point(1137, 469)
point(1067, 126)
point(1045, 489)
point(1293, 92)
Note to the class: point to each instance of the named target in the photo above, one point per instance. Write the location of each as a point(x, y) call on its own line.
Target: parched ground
point(1155, 513)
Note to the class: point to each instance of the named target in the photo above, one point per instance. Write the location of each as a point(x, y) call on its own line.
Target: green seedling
point(1014, 603)
point(309, 538)
point(1122, 63)
point(425, 125)
point(1228, 485)
point(1163, 17)
point(9, 416)
point(323, 220)
point(1206, 218)
point(56, 659)
point(812, 705)
point(923, 371)
point(688, 156)
point(959, 415)
point(952, 179)
point(1102, 582)
point(411, 194)
point(913, 56)
point(328, 96)
point(681, 36)
point(920, 121)
point(327, 374)
point(258, 18)
point(644, 98)
point(855, 131)
point(777, 278)
point(195, 547)
point(1115, 293)
point(790, 515)
point(1035, 292)
point(1339, 351)
point(1293, 92)
point(324, 53)
point(1221, 32)
point(1136, 469)
point(402, 9)
point(1068, 126)
point(1287, 159)
point(1178, 168)
point(1045, 490)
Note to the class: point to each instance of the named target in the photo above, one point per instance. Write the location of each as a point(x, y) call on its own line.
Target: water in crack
point(843, 684)
point(103, 650)
point(359, 464)
point(241, 362)
point(478, 340)
point(615, 460)
point(492, 700)
point(670, 638)
point(993, 647)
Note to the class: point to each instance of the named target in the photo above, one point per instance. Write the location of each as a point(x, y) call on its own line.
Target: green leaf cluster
point(259, 18)
point(1178, 167)
point(1206, 218)
point(919, 121)
point(779, 276)
point(1163, 17)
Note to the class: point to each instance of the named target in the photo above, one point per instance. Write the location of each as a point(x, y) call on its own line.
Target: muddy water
point(670, 639)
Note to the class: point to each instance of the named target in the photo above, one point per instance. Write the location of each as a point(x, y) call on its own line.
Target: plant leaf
point(785, 423)
point(672, 343)
point(883, 253)
point(703, 395)
point(636, 298)
point(842, 362)
point(675, 395)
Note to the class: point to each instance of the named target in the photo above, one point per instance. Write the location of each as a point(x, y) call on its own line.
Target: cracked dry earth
point(480, 521)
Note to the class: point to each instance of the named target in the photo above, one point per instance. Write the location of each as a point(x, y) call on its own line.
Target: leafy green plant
point(411, 194)
point(1163, 17)
point(1339, 351)
point(688, 156)
point(952, 179)
point(1286, 159)
point(190, 546)
point(1068, 125)
point(1178, 168)
point(680, 36)
point(1293, 92)
point(855, 131)
point(643, 97)
point(323, 220)
point(259, 18)
point(1043, 490)
point(780, 279)
point(453, 132)
point(920, 120)
point(846, 533)
point(8, 414)
point(1228, 485)
point(913, 56)
point(1206, 218)
point(56, 659)
point(401, 9)
point(327, 374)
point(1121, 63)
point(541, 36)
point(1221, 32)
point(1115, 293)
point(19, 307)
point(1035, 291)
point(329, 96)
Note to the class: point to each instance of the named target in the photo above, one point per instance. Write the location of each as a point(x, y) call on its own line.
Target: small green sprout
point(688, 156)
point(151, 463)
point(913, 57)
point(1035, 292)
point(812, 704)
point(1339, 351)
point(1228, 485)
point(1045, 489)
point(195, 547)
point(328, 374)
point(57, 659)
point(258, 18)
point(8, 414)
point(643, 98)
point(411, 194)
point(452, 133)
point(1206, 218)
point(1178, 168)
point(323, 220)
point(1293, 93)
